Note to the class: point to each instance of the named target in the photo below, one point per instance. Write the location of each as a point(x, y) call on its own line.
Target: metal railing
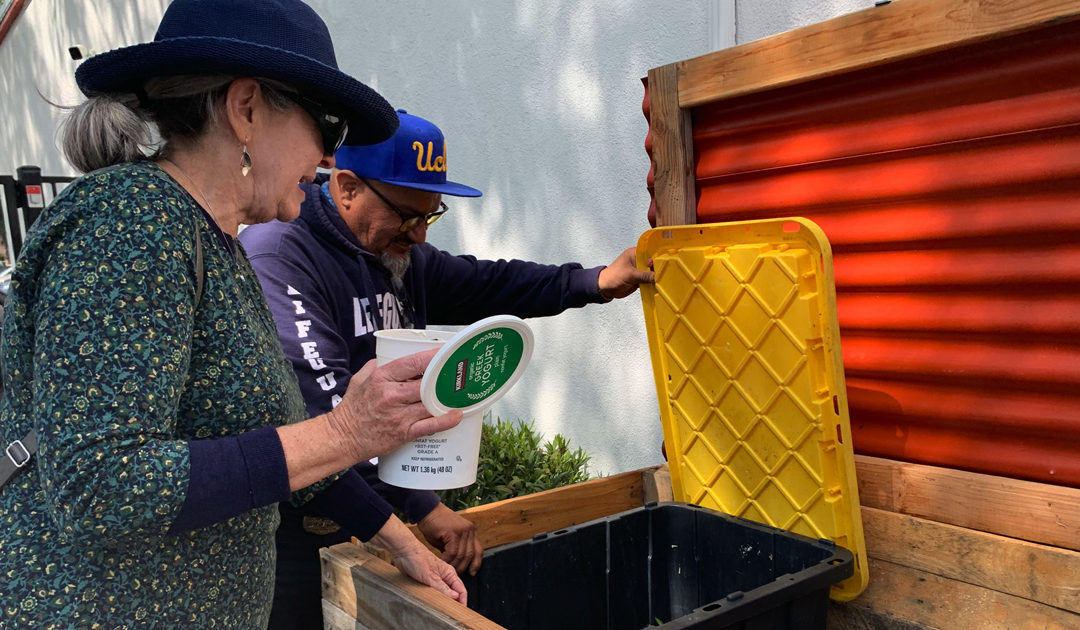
point(25, 195)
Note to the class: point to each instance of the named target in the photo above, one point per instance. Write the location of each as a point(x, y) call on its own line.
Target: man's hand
point(415, 560)
point(455, 536)
point(622, 277)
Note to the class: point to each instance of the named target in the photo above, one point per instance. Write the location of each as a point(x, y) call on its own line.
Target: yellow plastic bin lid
point(746, 355)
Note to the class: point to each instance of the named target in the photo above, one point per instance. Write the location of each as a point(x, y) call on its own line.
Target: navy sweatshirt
point(329, 295)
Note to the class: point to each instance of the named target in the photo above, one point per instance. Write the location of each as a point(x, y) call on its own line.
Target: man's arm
point(622, 277)
point(463, 289)
point(303, 315)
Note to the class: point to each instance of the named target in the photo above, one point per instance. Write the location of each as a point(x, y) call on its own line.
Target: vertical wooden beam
point(656, 484)
point(672, 150)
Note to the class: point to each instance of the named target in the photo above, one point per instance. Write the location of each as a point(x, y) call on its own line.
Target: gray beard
point(396, 265)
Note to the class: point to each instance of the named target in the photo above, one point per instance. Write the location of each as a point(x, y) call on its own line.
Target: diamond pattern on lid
point(742, 329)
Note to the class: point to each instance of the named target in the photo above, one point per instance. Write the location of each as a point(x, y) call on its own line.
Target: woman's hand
point(413, 559)
point(381, 409)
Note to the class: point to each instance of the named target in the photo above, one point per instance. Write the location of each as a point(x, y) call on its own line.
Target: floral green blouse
point(104, 356)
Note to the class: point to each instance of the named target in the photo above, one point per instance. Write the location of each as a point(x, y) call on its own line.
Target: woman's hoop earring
point(245, 162)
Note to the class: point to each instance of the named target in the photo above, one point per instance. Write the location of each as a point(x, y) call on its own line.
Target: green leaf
point(514, 460)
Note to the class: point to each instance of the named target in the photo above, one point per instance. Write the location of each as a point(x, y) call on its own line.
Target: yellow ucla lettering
point(430, 150)
point(440, 162)
point(424, 158)
point(419, 148)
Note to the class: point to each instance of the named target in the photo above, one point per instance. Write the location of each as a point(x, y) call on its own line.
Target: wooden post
point(672, 150)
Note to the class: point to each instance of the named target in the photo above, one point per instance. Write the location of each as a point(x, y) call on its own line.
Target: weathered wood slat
point(368, 589)
point(521, 518)
point(903, 598)
point(1044, 574)
point(657, 484)
point(672, 150)
point(1031, 511)
point(335, 618)
point(859, 40)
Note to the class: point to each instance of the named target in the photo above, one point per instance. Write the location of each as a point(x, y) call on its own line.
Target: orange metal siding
point(949, 187)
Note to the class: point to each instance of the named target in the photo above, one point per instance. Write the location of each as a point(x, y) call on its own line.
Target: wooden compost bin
point(361, 590)
point(948, 548)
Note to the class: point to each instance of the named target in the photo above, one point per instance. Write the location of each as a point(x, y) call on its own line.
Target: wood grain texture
point(335, 618)
point(656, 485)
point(903, 598)
point(858, 40)
point(380, 597)
point(674, 188)
point(520, 518)
point(1040, 573)
point(1035, 512)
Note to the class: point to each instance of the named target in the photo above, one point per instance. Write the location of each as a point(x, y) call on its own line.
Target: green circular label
point(479, 368)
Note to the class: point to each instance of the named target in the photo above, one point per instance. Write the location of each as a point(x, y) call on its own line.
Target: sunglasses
point(332, 127)
point(409, 221)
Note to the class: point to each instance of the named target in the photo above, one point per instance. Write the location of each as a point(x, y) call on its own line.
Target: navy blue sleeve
point(352, 504)
point(310, 338)
point(416, 504)
point(319, 353)
point(230, 476)
point(462, 289)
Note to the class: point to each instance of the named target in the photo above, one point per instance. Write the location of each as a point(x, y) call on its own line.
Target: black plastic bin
point(673, 565)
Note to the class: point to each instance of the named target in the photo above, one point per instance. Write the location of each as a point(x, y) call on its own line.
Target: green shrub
point(513, 462)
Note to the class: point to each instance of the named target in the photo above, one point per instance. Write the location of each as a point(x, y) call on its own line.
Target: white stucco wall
point(34, 58)
point(541, 106)
point(760, 18)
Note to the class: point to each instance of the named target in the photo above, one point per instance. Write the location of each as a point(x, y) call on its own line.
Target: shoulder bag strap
point(16, 455)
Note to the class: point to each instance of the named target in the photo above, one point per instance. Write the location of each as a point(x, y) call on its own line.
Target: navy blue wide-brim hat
point(283, 40)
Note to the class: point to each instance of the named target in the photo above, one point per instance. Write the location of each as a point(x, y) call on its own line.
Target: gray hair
point(110, 129)
point(396, 265)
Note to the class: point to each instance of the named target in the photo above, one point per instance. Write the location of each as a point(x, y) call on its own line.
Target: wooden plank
point(903, 598)
point(656, 484)
point(862, 618)
point(335, 618)
point(380, 597)
point(1044, 574)
point(858, 40)
point(672, 150)
point(521, 518)
point(1036, 512)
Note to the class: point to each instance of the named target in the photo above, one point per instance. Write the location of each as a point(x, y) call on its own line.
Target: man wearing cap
point(356, 261)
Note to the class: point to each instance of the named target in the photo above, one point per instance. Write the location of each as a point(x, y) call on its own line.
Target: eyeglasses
point(409, 221)
point(332, 127)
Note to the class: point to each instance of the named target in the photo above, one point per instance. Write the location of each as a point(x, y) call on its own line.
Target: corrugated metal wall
point(949, 187)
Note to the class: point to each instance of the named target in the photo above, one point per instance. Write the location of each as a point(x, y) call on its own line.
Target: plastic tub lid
point(478, 365)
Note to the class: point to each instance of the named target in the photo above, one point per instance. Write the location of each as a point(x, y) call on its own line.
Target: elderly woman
point(140, 357)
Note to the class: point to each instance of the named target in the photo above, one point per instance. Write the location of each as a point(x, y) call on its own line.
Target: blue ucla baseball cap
point(414, 157)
